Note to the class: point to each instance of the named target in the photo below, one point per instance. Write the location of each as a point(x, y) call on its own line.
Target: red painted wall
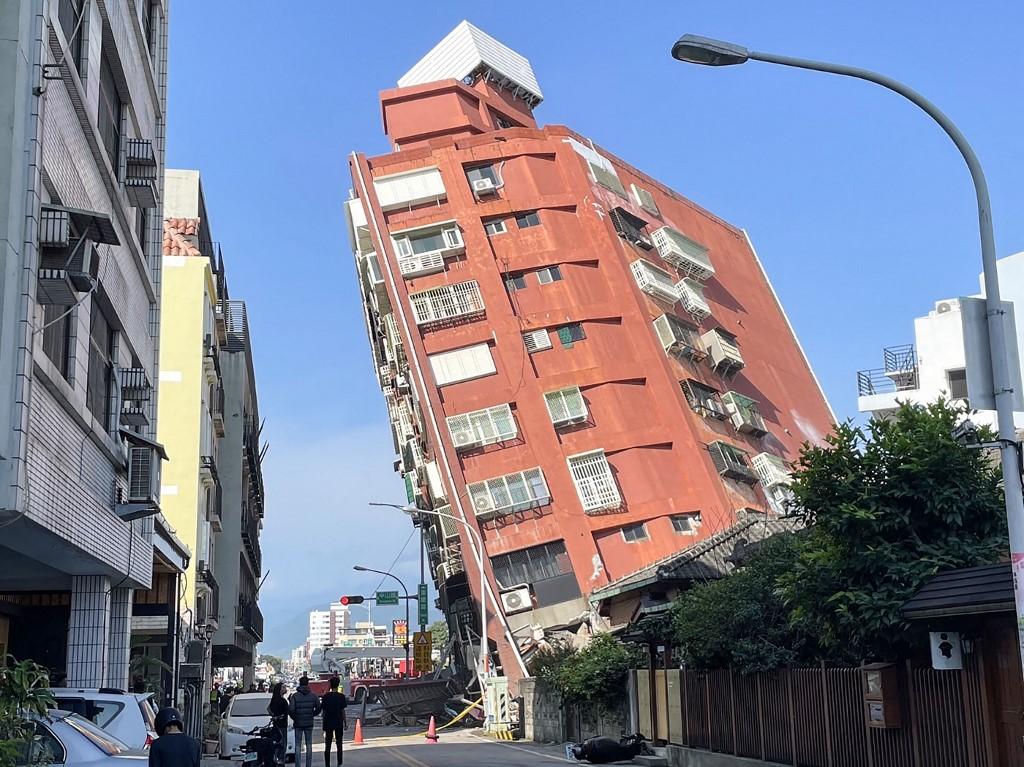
point(654, 443)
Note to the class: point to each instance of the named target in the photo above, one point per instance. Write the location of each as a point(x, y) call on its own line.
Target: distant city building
point(590, 369)
point(950, 355)
point(326, 625)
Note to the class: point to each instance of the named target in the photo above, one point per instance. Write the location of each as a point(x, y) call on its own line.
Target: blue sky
point(858, 205)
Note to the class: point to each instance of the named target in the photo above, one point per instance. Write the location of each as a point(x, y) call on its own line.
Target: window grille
point(482, 427)
point(566, 406)
point(510, 493)
point(536, 340)
point(447, 302)
point(704, 400)
point(594, 482)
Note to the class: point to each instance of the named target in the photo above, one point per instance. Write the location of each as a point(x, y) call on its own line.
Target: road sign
point(422, 647)
point(399, 630)
point(421, 597)
point(387, 598)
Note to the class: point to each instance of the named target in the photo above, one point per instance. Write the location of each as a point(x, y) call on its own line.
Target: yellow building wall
point(185, 282)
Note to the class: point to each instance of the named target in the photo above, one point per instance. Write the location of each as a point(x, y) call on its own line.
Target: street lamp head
point(693, 49)
point(359, 568)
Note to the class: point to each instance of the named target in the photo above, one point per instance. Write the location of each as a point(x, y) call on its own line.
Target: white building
point(950, 355)
point(83, 98)
point(325, 626)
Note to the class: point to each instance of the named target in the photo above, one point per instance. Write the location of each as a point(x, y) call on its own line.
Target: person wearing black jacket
point(333, 706)
point(173, 748)
point(278, 710)
point(303, 708)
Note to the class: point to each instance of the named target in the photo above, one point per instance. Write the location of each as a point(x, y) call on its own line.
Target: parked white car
point(62, 738)
point(245, 712)
point(129, 717)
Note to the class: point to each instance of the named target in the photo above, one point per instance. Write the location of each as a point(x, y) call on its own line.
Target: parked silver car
point(62, 738)
point(128, 716)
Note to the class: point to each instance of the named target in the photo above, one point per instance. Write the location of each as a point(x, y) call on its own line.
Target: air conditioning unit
point(484, 186)
point(143, 475)
point(482, 504)
point(464, 438)
point(536, 340)
point(517, 600)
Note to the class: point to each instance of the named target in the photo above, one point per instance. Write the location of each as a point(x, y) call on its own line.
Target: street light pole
point(362, 569)
point(475, 535)
point(701, 50)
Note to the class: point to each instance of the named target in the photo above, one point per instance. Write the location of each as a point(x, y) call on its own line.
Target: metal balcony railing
point(899, 374)
point(249, 618)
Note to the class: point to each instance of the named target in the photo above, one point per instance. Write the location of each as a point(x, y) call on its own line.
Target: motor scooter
point(265, 748)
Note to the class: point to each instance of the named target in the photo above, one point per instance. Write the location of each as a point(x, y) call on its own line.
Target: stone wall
point(548, 720)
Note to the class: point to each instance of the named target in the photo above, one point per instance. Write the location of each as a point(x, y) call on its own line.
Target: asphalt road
point(400, 747)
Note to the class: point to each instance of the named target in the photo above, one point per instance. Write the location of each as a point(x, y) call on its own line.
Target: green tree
point(887, 506)
point(741, 621)
point(273, 660)
point(595, 675)
point(438, 634)
point(23, 691)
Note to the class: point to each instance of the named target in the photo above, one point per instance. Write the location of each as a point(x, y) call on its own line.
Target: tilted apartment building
point(82, 104)
point(588, 368)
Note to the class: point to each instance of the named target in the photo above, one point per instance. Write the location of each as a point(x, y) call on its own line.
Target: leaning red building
point(589, 369)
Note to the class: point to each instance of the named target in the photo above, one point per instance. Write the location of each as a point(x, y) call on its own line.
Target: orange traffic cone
point(357, 739)
point(432, 731)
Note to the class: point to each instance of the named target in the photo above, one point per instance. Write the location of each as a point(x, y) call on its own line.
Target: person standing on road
point(333, 705)
point(278, 710)
point(172, 747)
point(303, 708)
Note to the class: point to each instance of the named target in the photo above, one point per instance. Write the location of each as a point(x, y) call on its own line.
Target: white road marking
point(506, 744)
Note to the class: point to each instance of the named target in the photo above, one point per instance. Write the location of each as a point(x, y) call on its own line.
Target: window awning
point(89, 224)
point(139, 441)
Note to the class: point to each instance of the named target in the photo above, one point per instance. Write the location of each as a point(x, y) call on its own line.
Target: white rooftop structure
point(467, 51)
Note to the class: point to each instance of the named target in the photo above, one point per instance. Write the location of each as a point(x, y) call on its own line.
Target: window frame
point(479, 171)
point(554, 273)
point(962, 381)
point(533, 348)
point(495, 222)
point(602, 489)
point(641, 526)
point(110, 111)
point(59, 331)
point(527, 220)
point(565, 398)
point(575, 332)
point(512, 282)
point(693, 522)
point(443, 357)
point(108, 359)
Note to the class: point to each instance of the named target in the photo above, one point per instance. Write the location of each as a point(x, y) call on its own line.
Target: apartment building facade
point(582, 364)
point(950, 355)
point(208, 405)
point(83, 104)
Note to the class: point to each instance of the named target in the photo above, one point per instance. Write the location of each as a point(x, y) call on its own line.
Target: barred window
point(566, 405)
point(594, 482)
point(510, 493)
point(549, 560)
point(703, 399)
point(482, 427)
point(570, 334)
point(447, 302)
point(635, 533)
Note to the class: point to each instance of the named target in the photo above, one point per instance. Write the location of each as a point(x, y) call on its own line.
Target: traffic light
point(351, 600)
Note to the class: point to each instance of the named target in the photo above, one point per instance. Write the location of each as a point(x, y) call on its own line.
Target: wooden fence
point(815, 717)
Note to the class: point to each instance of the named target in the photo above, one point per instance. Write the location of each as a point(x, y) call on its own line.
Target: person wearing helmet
point(173, 748)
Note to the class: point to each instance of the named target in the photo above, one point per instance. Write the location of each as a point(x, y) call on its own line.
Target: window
point(447, 302)
point(149, 22)
point(510, 493)
point(645, 200)
point(566, 406)
point(630, 228)
point(686, 524)
point(501, 122)
point(731, 462)
point(481, 172)
point(570, 334)
point(515, 282)
point(497, 226)
point(109, 116)
point(99, 394)
point(428, 241)
point(605, 175)
point(634, 533)
point(537, 340)
point(482, 427)
point(404, 190)
point(549, 274)
point(545, 567)
point(57, 336)
point(462, 364)
point(526, 220)
point(957, 380)
point(704, 400)
point(141, 224)
point(43, 748)
point(594, 482)
point(69, 13)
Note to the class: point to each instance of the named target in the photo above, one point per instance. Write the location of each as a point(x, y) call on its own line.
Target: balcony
point(205, 575)
point(630, 228)
point(135, 394)
point(744, 413)
point(253, 458)
point(771, 470)
point(879, 389)
point(251, 538)
point(691, 293)
point(686, 255)
point(211, 359)
point(68, 259)
point(249, 618)
point(654, 281)
point(141, 183)
point(731, 463)
point(677, 338)
point(447, 303)
point(423, 251)
point(723, 353)
point(217, 409)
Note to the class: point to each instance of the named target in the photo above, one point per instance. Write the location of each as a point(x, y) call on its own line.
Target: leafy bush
point(595, 675)
point(741, 621)
point(22, 692)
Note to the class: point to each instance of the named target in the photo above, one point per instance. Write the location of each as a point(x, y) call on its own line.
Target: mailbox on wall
point(881, 686)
